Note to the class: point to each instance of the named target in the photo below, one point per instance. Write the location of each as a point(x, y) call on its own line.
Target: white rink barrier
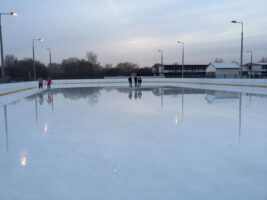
point(11, 88)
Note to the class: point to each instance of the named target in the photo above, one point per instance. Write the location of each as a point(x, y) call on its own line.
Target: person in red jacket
point(48, 82)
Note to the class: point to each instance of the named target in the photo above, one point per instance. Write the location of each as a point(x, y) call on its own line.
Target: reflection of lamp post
point(240, 116)
point(241, 54)
point(179, 118)
point(34, 70)
point(6, 127)
point(36, 111)
point(1, 44)
point(162, 94)
point(182, 58)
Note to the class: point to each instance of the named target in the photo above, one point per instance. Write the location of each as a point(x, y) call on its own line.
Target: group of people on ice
point(137, 81)
point(48, 82)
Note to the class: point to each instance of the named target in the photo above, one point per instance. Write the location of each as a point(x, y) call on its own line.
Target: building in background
point(190, 71)
point(222, 70)
point(255, 70)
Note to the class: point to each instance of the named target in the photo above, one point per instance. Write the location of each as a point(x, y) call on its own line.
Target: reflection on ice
point(128, 143)
point(221, 96)
point(23, 161)
point(46, 129)
point(6, 127)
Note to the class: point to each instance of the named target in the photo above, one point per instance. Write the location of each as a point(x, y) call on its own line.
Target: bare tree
point(11, 60)
point(108, 66)
point(263, 60)
point(92, 58)
point(218, 60)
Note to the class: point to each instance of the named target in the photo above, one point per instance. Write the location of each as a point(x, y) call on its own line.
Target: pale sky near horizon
point(134, 30)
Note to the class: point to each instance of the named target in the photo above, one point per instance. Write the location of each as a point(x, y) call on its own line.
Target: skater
point(40, 81)
point(130, 81)
point(48, 82)
point(135, 81)
point(139, 81)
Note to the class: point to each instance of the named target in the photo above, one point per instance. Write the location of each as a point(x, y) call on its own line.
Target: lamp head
point(233, 21)
point(14, 13)
point(41, 39)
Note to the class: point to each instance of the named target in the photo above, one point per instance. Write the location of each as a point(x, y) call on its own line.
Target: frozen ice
point(134, 143)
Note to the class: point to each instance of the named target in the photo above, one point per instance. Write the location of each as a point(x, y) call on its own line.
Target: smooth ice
point(146, 143)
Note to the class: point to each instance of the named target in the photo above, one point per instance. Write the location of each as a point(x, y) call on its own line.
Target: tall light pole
point(50, 59)
point(1, 44)
point(248, 51)
point(34, 70)
point(250, 61)
point(179, 42)
point(161, 56)
point(161, 71)
point(241, 56)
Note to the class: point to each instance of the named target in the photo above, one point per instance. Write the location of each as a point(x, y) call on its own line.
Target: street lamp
point(248, 51)
point(1, 44)
point(182, 58)
point(49, 56)
point(34, 71)
point(161, 57)
point(241, 56)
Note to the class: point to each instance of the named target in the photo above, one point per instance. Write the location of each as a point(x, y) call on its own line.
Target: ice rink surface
point(161, 143)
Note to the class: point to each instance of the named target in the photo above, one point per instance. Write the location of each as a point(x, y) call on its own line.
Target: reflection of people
point(40, 81)
point(139, 94)
point(41, 98)
point(49, 98)
point(130, 81)
point(139, 81)
point(48, 82)
point(130, 95)
point(135, 81)
point(135, 94)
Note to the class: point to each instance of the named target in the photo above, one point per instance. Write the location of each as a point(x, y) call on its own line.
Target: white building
point(222, 70)
point(255, 70)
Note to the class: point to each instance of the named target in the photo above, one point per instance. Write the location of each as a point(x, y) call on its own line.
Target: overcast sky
point(134, 30)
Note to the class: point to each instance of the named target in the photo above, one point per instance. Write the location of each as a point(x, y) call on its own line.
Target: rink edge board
point(196, 83)
point(147, 82)
point(16, 91)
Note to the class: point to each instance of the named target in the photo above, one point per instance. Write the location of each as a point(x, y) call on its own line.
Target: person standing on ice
point(135, 81)
point(130, 81)
point(40, 81)
point(48, 82)
point(139, 81)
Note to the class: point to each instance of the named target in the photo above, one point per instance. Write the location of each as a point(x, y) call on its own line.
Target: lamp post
point(1, 44)
point(241, 54)
point(250, 61)
point(178, 42)
point(161, 56)
point(34, 70)
point(250, 56)
point(161, 71)
point(50, 60)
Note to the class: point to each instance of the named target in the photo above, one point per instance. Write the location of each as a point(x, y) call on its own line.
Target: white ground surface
point(150, 143)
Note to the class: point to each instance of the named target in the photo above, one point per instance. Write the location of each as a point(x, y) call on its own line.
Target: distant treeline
point(71, 68)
